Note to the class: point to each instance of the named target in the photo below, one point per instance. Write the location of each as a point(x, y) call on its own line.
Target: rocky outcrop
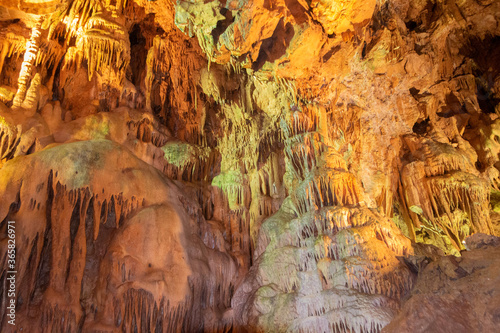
point(443, 300)
point(249, 165)
point(99, 253)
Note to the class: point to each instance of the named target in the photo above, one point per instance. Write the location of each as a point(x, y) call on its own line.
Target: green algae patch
point(182, 153)
point(228, 178)
point(96, 127)
point(232, 183)
point(77, 160)
point(74, 164)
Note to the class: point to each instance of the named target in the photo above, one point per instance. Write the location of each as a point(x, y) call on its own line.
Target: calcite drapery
point(80, 232)
point(242, 165)
point(32, 46)
point(324, 248)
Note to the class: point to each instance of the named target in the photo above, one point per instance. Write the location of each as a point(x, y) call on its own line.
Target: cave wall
point(251, 165)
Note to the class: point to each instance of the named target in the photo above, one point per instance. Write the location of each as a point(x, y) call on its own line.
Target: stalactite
point(12, 44)
point(326, 241)
point(82, 230)
point(103, 52)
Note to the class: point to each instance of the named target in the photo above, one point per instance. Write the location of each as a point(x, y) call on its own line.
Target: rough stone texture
point(455, 294)
point(106, 243)
point(258, 165)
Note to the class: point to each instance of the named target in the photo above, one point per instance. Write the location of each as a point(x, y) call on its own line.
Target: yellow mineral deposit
point(250, 166)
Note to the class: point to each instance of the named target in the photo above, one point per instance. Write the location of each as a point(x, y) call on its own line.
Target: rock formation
point(250, 166)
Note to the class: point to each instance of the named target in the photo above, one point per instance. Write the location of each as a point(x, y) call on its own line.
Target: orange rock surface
point(249, 166)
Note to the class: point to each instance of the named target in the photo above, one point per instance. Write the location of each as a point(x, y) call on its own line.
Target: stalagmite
point(27, 68)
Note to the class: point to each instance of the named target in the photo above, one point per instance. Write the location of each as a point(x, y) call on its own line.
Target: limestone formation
point(250, 166)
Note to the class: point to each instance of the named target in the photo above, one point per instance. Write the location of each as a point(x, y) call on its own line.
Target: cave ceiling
point(250, 166)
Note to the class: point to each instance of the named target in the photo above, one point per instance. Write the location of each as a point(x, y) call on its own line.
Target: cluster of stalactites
point(80, 11)
point(103, 52)
point(193, 169)
point(454, 205)
point(103, 206)
point(162, 58)
point(304, 151)
point(300, 122)
point(84, 212)
point(49, 54)
point(138, 309)
point(327, 243)
point(327, 188)
point(171, 83)
point(178, 160)
point(12, 44)
point(268, 141)
point(337, 320)
point(144, 313)
point(335, 255)
point(304, 230)
point(231, 193)
point(102, 42)
point(443, 192)
point(73, 59)
point(238, 147)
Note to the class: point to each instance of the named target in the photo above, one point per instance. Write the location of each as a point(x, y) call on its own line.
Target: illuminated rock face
point(338, 17)
point(325, 262)
point(257, 165)
point(106, 243)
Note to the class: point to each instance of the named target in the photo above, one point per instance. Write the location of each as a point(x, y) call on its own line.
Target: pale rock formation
point(236, 166)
